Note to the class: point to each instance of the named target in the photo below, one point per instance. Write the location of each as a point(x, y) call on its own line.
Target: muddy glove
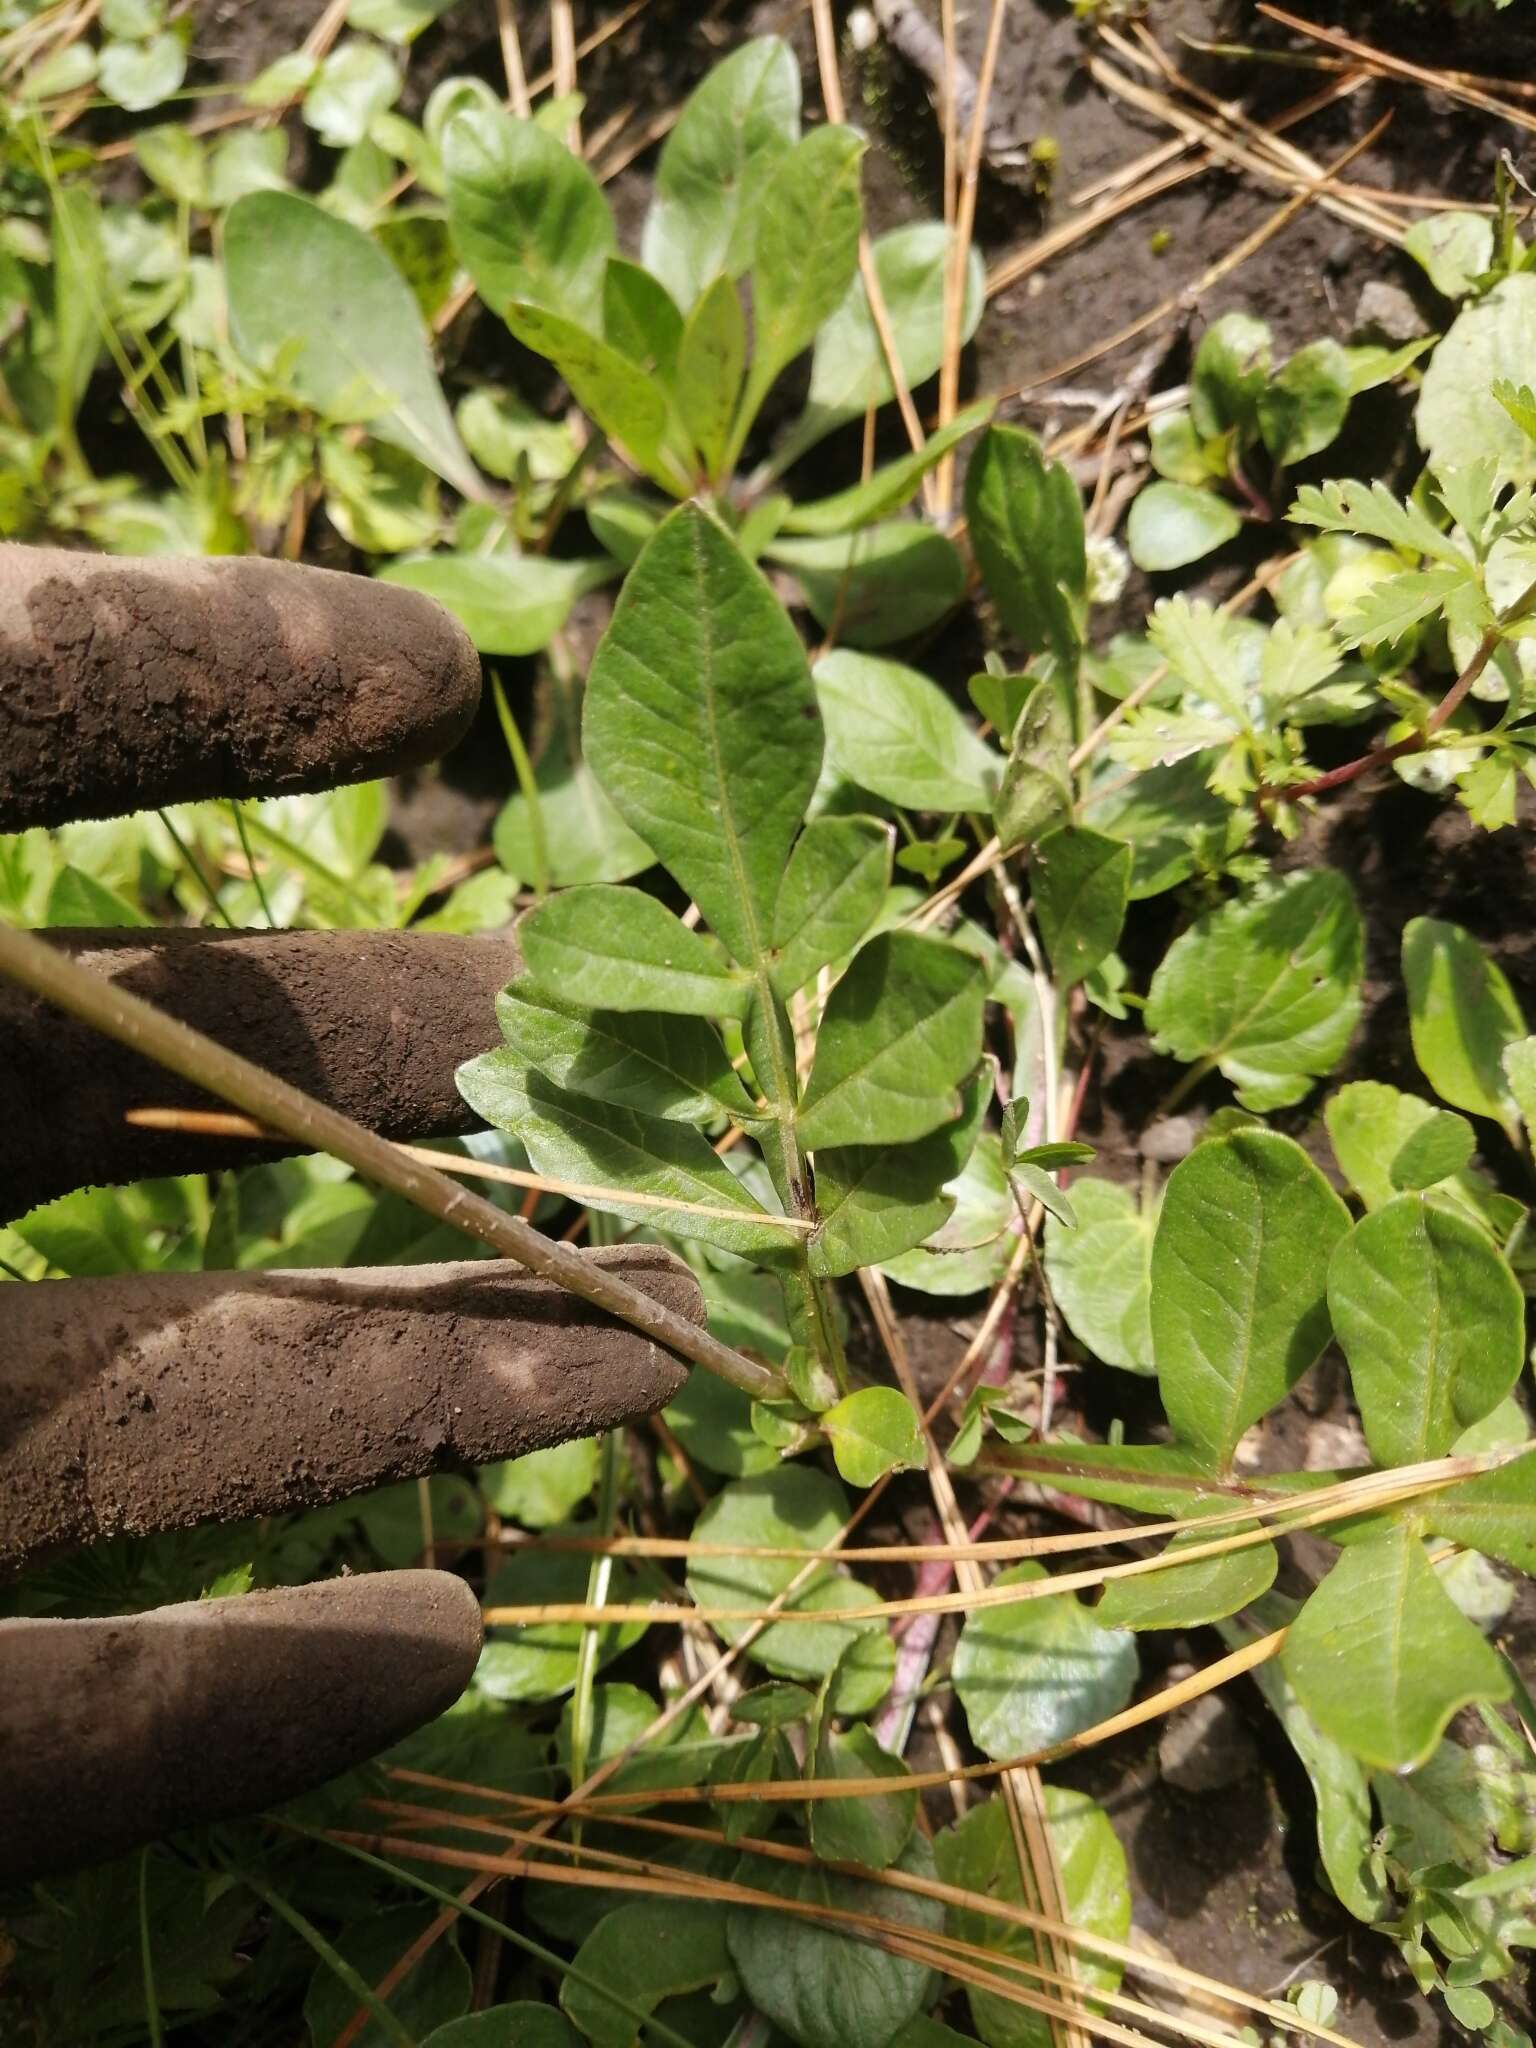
point(149, 1401)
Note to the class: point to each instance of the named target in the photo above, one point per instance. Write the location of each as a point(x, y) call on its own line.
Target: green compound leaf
point(1196, 1594)
point(978, 1855)
point(1267, 988)
point(701, 724)
point(1381, 1658)
point(1372, 1126)
point(619, 949)
point(571, 1138)
point(1463, 1015)
point(827, 1989)
point(1239, 1265)
point(528, 219)
point(832, 892)
point(644, 1952)
point(1026, 524)
point(900, 1032)
point(314, 299)
point(1432, 1322)
point(875, 1202)
point(896, 734)
point(668, 1066)
point(872, 1432)
point(1101, 1272)
point(1039, 1670)
point(1080, 880)
point(792, 1506)
point(733, 128)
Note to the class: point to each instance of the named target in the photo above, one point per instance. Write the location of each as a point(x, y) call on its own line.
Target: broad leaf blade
point(1463, 1015)
point(1432, 1322)
point(900, 1032)
point(1080, 880)
point(529, 220)
point(896, 734)
point(711, 357)
point(1026, 523)
point(805, 251)
point(1267, 988)
point(1239, 1266)
point(619, 949)
point(1101, 1272)
point(874, 1202)
point(701, 724)
point(833, 890)
point(1038, 1670)
point(1191, 1595)
point(625, 402)
point(669, 1066)
point(1381, 1658)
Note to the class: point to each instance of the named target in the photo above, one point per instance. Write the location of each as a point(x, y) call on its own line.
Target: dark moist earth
point(1226, 1878)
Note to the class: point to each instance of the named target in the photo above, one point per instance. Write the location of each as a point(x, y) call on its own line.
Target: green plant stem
point(309, 1933)
point(250, 861)
point(315, 1127)
point(326, 876)
point(599, 1578)
point(147, 1958)
point(192, 868)
point(527, 782)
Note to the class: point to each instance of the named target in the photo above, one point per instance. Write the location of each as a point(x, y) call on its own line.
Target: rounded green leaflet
point(1458, 418)
point(1101, 1272)
point(1038, 1670)
point(701, 725)
point(1239, 1271)
point(1432, 1321)
point(523, 2024)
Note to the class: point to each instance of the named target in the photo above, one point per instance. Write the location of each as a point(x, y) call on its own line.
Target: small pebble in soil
point(1387, 310)
point(1205, 1746)
point(1170, 1139)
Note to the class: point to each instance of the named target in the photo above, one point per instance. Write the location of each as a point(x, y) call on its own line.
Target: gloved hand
point(149, 1401)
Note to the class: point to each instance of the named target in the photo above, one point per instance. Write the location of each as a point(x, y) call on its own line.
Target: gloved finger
point(373, 1023)
point(115, 1732)
point(126, 684)
point(149, 1401)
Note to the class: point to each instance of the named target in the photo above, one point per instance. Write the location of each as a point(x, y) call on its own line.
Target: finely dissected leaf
point(896, 734)
point(849, 370)
point(1494, 1513)
point(794, 1506)
point(1038, 1670)
point(1267, 988)
point(874, 1202)
point(1440, 1147)
point(872, 1432)
point(822, 1987)
point(1026, 524)
point(645, 1951)
point(901, 1030)
point(317, 297)
point(1036, 793)
point(878, 585)
point(732, 129)
point(1239, 1271)
point(1079, 880)
point(1381, 1658)
point(668, 1066)
point(1204, 648)
point(805, 251)
point(711, 359)
point(1101, 1272)
point(1384, 611)
point(1463, 1014)
point(508, 604)
point(1196, 1594)
point(832, 892)
point(625, 402)
point(1432, 1322)
point(978, 1855)
point(889, 488)
point(1172, 525)
point(871, 1831)
point(570, 1138)
point(1492, 338)
point(619, 949)
point(701, 724)
point(529, 220)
